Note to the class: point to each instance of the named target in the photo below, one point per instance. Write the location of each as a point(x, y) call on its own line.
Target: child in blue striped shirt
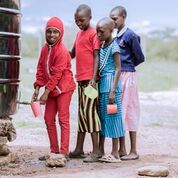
point(109, 89)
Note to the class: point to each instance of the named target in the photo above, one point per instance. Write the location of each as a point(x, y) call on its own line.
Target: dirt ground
point(157, 143)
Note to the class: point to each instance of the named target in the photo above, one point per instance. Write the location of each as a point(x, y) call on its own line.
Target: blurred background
point(154, 21)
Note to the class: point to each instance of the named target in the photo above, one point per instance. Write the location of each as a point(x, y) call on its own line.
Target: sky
point(142, 14)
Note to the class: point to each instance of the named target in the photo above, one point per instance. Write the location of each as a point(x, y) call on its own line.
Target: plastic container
point(111, 108)
point(91, 92)
point(36, 109)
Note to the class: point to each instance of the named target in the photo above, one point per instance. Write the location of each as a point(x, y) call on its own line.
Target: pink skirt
point(130, 101)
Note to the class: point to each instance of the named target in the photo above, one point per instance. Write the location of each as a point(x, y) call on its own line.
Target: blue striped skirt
point(111, 124)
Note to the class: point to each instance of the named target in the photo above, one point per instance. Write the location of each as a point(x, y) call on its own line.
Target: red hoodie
point(54, 65)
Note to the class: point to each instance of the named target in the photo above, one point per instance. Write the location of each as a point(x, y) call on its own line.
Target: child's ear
point(90, 17)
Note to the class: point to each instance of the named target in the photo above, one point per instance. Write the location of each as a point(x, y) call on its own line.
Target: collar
point(122, 31)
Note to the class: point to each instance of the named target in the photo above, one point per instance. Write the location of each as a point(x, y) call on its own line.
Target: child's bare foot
point(130, 156)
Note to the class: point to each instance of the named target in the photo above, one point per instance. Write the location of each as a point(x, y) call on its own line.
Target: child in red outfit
point(54, 73)
point(85, 50)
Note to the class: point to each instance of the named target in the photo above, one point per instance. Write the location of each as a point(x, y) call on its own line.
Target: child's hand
point(112, 97)
point(44, 96)
point(35, 95)
point(93, 83)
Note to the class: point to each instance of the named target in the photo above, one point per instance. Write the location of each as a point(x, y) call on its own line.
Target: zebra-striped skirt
point(88, 119)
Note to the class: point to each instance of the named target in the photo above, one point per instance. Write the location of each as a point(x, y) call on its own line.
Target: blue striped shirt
point(108, 72)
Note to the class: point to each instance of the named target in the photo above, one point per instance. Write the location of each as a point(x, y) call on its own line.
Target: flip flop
point(121, 154)
point(109, 159)
point(44, 157)
point(76, 155)
point(129, 157)
point(93, 157)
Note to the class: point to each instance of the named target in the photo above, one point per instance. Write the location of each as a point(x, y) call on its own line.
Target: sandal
point(130, 157)
point(77, 155)
point(44, 157)
point(93, 157)
point(109, 159)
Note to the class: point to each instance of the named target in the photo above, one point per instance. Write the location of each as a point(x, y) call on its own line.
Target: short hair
point(122, 10)
point(108, 22)
point(84, 7)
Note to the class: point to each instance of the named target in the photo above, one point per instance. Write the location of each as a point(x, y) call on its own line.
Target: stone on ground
point(153, 171)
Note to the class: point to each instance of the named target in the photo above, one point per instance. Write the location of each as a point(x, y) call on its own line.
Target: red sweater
point(85, 44)
point(57, 59)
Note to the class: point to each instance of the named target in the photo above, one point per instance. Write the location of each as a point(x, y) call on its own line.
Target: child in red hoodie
point(54, 73)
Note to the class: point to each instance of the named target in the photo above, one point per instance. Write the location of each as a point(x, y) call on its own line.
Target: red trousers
point(58, 105)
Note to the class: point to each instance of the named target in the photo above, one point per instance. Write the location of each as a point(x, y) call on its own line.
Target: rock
point(3, 140)
point(4, 160)
point(14, 158)
point(11, 133)
point(4, 126)
point(11, 159)
point(154, 171)
point(4, 150)
point(10, 165)
point(7, 129)
point(57, 162)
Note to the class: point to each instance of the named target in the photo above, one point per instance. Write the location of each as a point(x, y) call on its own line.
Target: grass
point(152, 76)
point(157, 76)
point(27, 77)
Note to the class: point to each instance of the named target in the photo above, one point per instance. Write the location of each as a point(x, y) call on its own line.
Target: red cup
point(111, 108)
point(36, 108)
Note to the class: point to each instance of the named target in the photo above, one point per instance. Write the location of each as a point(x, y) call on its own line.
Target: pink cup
point(36, 108)
point(111, 108)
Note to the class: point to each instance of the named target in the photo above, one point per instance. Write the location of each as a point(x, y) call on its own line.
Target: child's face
point(52, 35)
point(103, 32)
point(118, 19)
point(82, 20)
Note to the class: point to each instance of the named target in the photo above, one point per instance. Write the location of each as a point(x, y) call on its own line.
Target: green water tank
point(10, 18)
